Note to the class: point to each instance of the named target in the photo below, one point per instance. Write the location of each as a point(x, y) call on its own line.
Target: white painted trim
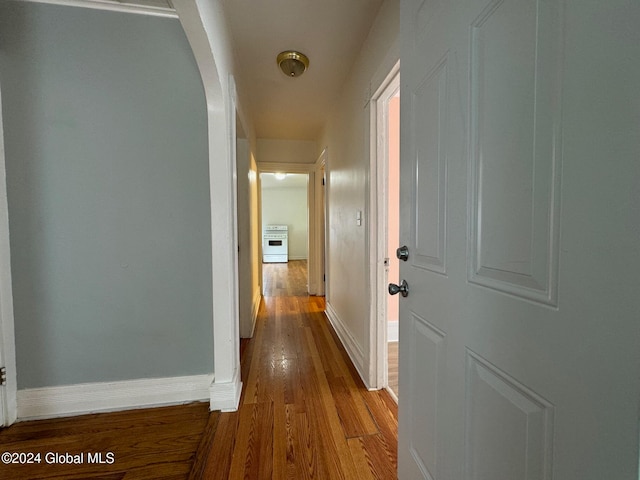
point(203, 23)
point(318, 241)
point(377, 308)
point(393, 331)
point(113, 6)
point(392, 394)
point(312, 286)
point(377, 247)
point(259, 232)
point(255, 308)
point(226, 389)
point(232, 329)
point(348, 342)
point(8, 399)
point(67, 400)
point(327, 218)
point(225, 396)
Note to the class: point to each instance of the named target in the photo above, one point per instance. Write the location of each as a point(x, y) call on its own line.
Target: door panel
point(514, 150)
point(429, 162)
point(426, 351)
point(518, 422)
point(519, 338)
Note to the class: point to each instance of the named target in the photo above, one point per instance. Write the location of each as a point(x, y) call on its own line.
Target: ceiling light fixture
point(292, 64)
point(280, 176)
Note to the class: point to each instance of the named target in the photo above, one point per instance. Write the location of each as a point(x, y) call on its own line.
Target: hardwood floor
point(285, 279)
point(155, 443)
point(304, 414)
point(392, 361)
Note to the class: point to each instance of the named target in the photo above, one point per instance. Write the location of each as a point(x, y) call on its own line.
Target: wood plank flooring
point(304, 414)
point(155, 443)
point(285, 279)
point(392, 360)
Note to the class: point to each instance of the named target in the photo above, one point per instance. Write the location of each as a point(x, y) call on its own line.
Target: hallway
point(304, 412)
point(133, 139)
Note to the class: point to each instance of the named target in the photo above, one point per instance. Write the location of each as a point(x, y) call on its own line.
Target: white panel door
point(520, 207)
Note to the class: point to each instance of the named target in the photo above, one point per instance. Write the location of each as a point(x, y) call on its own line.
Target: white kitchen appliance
point(275, 244)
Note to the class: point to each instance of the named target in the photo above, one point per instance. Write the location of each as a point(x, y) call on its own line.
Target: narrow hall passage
point(304, 412)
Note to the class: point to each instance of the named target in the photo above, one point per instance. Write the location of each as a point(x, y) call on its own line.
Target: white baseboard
point(225, 396)
point(254, 311)
point(393, 331)
point(248, 325)
point(68, 400)
point(348, 341)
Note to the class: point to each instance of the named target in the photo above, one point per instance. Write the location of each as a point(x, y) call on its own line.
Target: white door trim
point(378, 227)
point(8, 393)
point(220, 94)
point(318, 239)
point(325, 234)
point(115, 6)
point(308, 169)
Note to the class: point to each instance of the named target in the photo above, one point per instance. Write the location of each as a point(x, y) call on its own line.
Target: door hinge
point(324, 278)
point(3, 376)
point(323, 181)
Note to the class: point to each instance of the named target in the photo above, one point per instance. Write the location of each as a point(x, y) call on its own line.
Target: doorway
point(385, 227)
point(285, 220)
point(393, 237)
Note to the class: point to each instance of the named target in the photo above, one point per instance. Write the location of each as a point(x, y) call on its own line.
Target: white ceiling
point(329, 32)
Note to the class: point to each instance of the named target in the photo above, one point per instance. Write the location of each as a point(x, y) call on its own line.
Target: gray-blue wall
point(107, 173)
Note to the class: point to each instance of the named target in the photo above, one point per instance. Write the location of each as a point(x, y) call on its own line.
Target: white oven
point(275, 244)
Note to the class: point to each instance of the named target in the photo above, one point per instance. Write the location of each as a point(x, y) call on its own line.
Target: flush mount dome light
point(280, 176)
point(293, 64)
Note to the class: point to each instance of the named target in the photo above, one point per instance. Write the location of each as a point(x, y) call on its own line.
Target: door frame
point(310, 170)
point(317, 283)
point(378, 219)
point(8, 393)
